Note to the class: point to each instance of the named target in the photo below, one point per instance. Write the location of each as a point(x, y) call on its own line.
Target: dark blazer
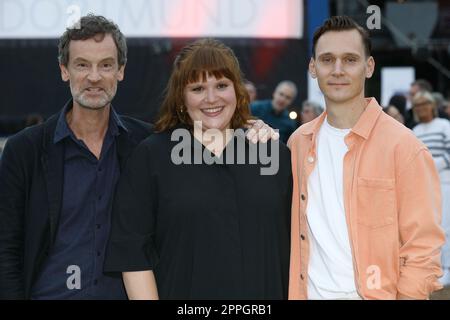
point(31, 180)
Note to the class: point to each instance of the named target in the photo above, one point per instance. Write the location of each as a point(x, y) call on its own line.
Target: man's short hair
point(290, 84)
point(423, 84)
point(89, 27)
point(342, 23)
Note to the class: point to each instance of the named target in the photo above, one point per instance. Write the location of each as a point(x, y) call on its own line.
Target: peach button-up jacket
point(392, 205)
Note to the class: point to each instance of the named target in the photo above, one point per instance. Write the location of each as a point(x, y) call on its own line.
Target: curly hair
point(92, 26)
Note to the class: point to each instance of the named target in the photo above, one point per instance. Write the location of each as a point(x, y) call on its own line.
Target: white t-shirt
point(330, 272)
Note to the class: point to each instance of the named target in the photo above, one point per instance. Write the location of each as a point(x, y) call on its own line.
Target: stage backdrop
point(266, 35)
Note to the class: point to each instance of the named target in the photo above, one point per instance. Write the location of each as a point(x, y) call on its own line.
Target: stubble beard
point(93, 104)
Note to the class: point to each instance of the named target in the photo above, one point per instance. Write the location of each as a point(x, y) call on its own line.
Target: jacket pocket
point(376, 202)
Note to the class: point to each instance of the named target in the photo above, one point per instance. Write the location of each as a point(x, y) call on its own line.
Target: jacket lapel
point(125, 145)
point(53, 166)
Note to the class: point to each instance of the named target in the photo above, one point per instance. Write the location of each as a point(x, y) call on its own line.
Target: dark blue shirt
point(84, 223)
point(263, 110)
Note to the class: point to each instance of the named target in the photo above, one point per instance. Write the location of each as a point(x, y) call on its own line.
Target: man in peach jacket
point(366, 205)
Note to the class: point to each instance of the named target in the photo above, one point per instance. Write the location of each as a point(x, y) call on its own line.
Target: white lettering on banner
point(49, 9)
point(140, 13)
point(157, 18)
point(251, 11)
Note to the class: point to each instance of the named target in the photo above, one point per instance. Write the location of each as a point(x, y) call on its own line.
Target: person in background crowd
point(447, 108)
point(33, 119)
point(394, 113)
point(399, 101)
point(310, 111)
point(440, 104)
point(434, 132)
point(251, 89)
point(419, 85)
point(416, 86)
point(274, 112)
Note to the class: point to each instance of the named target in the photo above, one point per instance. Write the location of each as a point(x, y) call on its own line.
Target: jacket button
point(302, 237)
point(303, 197)
point(310, 159)
point(301, 276)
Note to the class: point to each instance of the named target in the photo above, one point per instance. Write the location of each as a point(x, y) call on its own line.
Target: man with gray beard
point(57, 179)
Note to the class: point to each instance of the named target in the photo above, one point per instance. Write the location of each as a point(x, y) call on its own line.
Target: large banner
point(157, 18)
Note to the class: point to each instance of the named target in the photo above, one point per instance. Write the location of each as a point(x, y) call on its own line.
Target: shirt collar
point(368, 119)
point(363, 126)
point(116, 119)
point(63, 130)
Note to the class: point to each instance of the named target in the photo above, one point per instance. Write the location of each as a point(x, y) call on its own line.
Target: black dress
point(208, 231)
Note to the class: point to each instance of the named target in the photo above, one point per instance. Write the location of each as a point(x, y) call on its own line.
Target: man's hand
point(260, 131)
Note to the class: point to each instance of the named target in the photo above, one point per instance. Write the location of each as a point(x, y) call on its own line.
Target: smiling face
point(93, 72)
point(341, 66)
point(213, 102)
